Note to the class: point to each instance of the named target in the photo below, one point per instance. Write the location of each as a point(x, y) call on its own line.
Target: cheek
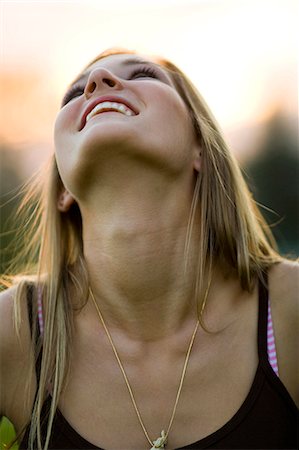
point(64, 126)
point(177, 131)
point(64, 142)
point(172, 112)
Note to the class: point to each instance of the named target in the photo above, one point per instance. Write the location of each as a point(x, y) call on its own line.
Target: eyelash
point(77, 90)
point(147, 71)
point(74, 91)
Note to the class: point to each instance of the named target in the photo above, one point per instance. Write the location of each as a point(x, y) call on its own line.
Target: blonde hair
point(232, 234)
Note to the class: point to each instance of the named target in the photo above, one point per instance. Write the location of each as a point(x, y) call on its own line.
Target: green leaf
point(7, 435)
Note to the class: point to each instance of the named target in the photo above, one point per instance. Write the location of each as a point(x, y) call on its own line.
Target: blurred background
point(241, 54)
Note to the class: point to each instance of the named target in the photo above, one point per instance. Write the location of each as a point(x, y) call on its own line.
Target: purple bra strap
point(271, 342)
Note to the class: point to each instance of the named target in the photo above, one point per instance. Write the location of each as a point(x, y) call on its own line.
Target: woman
point(146, 323)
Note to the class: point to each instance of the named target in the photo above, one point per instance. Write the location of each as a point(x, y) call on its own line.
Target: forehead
point(119, 62)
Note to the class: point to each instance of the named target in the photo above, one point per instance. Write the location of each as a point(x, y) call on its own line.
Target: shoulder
point(15, 348)
point(284, 282)
point(8, 335)
point(283, 294)
point(284, 298)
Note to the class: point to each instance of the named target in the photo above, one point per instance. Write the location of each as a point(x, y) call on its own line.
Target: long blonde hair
point(232, 234)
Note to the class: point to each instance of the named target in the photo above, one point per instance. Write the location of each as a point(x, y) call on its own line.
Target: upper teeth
point(109, 106)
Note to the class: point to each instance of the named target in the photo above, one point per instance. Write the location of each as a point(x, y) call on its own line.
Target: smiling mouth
point(110, 107)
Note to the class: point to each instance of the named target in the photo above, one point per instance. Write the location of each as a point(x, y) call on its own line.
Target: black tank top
point(267, 419)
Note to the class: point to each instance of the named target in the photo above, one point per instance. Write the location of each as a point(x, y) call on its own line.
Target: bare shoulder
point(284, 297)
point(15, 351)
point(284, 283)
point(8, 336)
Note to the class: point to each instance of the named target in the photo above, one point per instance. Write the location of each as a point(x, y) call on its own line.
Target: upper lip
point(105, 98)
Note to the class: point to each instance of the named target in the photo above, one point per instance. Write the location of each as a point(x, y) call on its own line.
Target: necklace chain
point(161, 441)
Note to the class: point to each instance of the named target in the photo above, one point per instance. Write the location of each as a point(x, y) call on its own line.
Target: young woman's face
point(123, 104)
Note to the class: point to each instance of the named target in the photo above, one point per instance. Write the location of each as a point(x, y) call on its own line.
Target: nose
point(100, 78)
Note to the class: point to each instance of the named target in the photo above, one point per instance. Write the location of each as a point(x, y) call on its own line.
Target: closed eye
point(75, 91)
point(141, 72)
point(144, 72)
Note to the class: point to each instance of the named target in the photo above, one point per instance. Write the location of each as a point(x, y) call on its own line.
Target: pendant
point(160, 442)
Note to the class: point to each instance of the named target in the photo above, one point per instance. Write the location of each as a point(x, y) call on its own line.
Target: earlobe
point(65, 201)
point(197, 161)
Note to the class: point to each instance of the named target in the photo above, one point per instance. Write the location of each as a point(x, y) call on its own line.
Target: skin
point(137, 200)
point(133, 180)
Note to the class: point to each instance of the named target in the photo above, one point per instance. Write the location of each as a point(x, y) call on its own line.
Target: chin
point(97, 154)
point(116, 148)
point(106, 137)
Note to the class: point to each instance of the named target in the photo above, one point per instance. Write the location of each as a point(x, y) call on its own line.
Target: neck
point(134, 246)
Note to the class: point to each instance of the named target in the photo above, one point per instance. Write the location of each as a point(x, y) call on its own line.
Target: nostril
point(91, 88)
point(110, 83)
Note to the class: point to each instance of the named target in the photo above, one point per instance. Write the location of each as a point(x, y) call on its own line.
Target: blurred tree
point(273, 178)
point(10, 180)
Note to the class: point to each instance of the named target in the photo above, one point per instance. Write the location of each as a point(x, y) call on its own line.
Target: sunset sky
point(241, 54)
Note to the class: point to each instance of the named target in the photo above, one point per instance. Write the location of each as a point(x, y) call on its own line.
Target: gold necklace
point(161, 441)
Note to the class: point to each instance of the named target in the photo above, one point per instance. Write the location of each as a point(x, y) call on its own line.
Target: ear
point(65, 201)
point(197, 160)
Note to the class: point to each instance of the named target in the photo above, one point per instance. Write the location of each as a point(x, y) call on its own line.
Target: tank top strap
point(263, 292)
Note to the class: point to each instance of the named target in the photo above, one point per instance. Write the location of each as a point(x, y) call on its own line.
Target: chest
point(220, 372)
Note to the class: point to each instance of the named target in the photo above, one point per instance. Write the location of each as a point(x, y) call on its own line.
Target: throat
point(135, 257)
point(147, 312)
point(142, 286)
